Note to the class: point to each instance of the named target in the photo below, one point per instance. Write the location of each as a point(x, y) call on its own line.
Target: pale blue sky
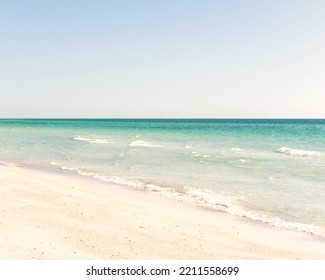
point(216, 59)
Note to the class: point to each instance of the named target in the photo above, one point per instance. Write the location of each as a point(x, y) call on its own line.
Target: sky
point(162, 59)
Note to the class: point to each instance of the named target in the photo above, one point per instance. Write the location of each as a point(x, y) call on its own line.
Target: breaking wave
point(7, 163)
point(80, 138)
point(140, 143)
point(91, 140)
point(202, 198)
point(296, 152)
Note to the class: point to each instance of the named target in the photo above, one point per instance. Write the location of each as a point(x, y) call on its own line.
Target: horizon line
point(155, 118)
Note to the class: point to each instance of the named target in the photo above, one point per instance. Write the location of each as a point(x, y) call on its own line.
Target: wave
point(296, 152)
point(140, 143)
point(80, 138)
point(227, 203)
point(5, 163)
point(196, 154)
point(91, 140)
point(134, 183)
point(201, 198)
point(236, 149)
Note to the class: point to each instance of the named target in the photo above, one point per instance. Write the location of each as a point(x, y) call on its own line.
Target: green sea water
point(267, 170)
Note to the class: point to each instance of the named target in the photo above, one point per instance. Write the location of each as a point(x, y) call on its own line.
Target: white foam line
point(202, 198)
point(140, 143)
point(296, 152)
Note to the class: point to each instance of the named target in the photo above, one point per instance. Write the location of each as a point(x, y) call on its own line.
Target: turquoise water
point(267, 170)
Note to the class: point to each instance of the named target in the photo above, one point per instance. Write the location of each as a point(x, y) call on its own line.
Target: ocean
point(267, 170)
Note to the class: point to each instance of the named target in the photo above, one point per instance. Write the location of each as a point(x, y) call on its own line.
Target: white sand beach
point(53, 216)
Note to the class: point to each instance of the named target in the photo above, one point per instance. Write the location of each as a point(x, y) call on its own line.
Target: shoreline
point(46, 215)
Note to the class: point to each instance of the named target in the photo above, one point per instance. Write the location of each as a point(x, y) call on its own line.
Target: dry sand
point(53, 216)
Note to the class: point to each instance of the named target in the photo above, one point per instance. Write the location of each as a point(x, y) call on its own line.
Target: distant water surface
point(267, 170)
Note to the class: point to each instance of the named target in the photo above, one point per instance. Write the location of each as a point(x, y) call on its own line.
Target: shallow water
point(267, 170)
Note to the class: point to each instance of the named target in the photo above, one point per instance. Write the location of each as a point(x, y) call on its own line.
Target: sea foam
point(236, 149)
point(7, 163)
point(91, 140)
point(141, 143)
point(80, 138)
point(296, 152)
point(199, 197)
point(226, 203)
